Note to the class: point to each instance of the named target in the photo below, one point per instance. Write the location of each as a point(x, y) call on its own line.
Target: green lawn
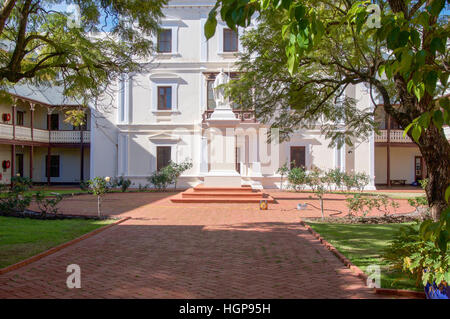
point(21, 238)
point(363, 245)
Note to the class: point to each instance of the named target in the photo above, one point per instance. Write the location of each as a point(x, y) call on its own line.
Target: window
point(54, 122)
point(298, 156)
point(164, 97)
point(211, 102)
point(162, 156)
point(165, 41)
point(54, 166)
point(20, 116)
point(230, 40)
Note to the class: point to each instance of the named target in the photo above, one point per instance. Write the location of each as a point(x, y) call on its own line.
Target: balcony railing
point(396, 136)
point(24, 134)
point(244, 116)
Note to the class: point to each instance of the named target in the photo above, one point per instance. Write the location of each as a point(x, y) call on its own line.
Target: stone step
point(221, 193)
point(220, 200)
point(201, 188)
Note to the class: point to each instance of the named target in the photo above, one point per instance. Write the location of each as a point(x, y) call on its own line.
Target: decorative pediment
point(164, 138)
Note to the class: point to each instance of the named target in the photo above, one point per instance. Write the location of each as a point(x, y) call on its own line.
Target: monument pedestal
point(223, 150)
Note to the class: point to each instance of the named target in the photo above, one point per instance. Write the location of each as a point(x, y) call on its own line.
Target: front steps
point(201, 194)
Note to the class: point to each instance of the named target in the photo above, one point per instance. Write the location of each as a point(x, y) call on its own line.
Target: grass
point(21, 238)
point(363, 245)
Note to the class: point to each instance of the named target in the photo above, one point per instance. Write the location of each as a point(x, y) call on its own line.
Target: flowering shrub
point(99, 186)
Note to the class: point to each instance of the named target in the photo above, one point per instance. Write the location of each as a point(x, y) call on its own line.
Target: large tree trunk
point(435, 150)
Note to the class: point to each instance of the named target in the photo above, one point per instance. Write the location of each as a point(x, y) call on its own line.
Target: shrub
point(169, 175)
point(122, 182)
point(14, 198)
point(84, 185)
point(47, 205)
point(349, 181)
point(360, 181)
point(99, 186)
point(316, 182)
point(177, 169)
point(361, 205)
point(297, 178)
point(161, 179)
point(283, 171)
point(422, 252)
point(335, 176)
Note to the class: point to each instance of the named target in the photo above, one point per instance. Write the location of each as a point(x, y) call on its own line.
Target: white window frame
point(171, 82)
point(220, 27)
point(174, 28)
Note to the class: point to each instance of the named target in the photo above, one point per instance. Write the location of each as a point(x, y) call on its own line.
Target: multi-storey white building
point(161, 114)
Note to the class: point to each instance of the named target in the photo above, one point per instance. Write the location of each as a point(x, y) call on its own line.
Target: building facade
point(161, 115)
point(37, 143)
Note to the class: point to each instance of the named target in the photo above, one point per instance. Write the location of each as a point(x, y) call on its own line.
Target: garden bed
point(36, 215)
point(363, 245)
point(389, 219)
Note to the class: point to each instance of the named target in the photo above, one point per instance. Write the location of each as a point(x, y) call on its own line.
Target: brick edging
point(59, 247)
point(357, 271)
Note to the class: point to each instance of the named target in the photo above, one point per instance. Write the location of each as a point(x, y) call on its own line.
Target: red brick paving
point(190, 251)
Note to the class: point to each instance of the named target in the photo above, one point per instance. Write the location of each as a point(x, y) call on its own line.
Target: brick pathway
point(189, 251)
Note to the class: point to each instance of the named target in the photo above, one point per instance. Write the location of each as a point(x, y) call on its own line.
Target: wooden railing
point(244, 116)
point(396, 136)
point(23, 133)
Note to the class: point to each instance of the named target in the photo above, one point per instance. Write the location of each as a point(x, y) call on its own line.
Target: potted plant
point(434, 258)
point(422, 252)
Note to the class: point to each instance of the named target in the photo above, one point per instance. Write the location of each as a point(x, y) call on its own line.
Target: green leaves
point(438, 44)
point(211, 23)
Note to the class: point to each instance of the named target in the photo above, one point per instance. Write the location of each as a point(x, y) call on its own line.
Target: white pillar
point(204, 155)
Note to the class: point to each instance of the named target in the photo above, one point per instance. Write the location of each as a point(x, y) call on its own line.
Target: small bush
point(47, 205)
point(14, 198)
point(161, 179)
point(361, 205)
point(349, 181)
point(297, 178)
point(121, 182)
point(335, 176)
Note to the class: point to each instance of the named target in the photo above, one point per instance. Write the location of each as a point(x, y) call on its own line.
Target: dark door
point(418, 168)
point(238, 156)
point(298, 156)
point(54, 122)
point(162, 156)
point(19, 164)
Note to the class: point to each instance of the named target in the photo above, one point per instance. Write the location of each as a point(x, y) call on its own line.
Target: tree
point(43, 46)
point(306, 53)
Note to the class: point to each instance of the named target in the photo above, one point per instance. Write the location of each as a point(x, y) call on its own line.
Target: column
point(31, 162)
point(204, 155)
point(81, 156)
point(388, 152)
point(49, 154)
point(13, 162)
point(32, 105)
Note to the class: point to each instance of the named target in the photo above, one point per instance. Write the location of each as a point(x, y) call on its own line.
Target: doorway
point(19, 164)
point(419, 168)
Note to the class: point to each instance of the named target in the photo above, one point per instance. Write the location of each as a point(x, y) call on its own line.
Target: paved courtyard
point(189, 251)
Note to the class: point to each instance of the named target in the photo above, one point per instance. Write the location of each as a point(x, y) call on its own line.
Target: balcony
point(396, 136)
point(23, 133)
point(244, 116)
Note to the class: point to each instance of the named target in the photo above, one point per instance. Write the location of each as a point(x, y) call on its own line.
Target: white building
point(161, 115)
